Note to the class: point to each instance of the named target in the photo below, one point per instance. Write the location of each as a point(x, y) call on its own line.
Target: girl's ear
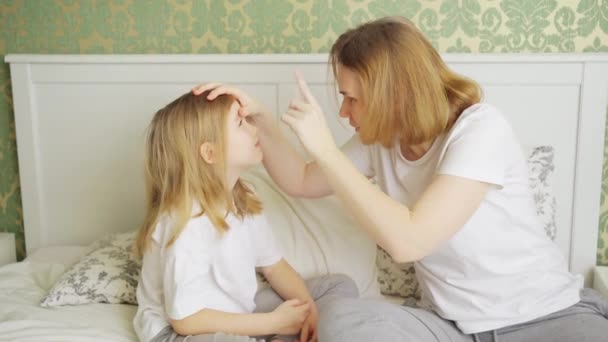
point(207, 152)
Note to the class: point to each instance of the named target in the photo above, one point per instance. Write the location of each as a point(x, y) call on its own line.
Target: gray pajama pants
point(361, 320)
point(324, 290)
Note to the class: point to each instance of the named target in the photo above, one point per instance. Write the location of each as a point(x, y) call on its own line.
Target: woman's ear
point(207, 152)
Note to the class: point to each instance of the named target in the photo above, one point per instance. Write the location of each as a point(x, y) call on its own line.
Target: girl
point(452, 196)
point(204, 235)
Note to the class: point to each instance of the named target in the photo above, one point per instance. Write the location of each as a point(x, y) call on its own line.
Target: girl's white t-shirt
point(500, 268)
point(203, 269)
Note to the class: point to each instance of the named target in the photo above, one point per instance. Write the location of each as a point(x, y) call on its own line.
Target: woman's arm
point(286, 167)
point(407, 234)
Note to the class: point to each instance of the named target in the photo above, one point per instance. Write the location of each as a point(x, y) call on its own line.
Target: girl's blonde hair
point(409, 93)
point(177, 177)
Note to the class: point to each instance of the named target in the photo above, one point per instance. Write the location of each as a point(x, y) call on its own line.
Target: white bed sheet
point(24, 284)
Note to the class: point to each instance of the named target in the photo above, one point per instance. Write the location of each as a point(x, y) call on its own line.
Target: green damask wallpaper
point(273, 26)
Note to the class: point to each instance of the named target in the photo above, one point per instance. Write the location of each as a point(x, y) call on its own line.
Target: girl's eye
point(240, 122)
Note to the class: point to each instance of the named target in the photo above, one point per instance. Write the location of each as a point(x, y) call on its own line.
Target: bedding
point(108, 273)
point(22, 287)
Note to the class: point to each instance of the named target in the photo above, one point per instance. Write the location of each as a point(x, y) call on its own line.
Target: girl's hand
point(250, 108)
point(305, 117)
point(309, 328)
point(290, 316)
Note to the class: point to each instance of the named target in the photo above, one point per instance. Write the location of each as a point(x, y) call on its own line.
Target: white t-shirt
point(500, 268)
point(201, 270)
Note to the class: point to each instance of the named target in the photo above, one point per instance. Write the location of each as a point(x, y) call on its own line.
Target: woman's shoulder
point(481, 111)
point(483, 117)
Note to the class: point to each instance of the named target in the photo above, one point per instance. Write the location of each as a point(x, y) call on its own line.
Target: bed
point(80, 122)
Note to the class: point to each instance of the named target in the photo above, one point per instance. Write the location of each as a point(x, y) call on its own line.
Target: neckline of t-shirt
point(424, 158)
point(436, 142)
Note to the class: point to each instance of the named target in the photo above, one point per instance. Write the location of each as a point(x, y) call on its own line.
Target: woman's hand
point(309, 328)
point(250, 108)
point(305, 117)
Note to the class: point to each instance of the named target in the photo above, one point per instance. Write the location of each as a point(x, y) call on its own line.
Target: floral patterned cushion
point(540, 168)
point(108, 273)
point(400, 279)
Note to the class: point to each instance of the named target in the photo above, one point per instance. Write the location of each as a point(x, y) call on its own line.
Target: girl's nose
point(344, 113)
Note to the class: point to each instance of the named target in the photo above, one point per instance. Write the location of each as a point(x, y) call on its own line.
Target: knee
point(337, 316)
point(343, 286)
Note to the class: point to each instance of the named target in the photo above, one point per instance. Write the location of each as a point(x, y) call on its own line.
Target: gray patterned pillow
point(108, 273)
point(540, 169)
point(400, 279)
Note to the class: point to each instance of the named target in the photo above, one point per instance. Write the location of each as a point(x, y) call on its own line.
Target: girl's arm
point(289, 285)
point(286, 167)
point(286, 281)
point(208, 321)
point(287, 319)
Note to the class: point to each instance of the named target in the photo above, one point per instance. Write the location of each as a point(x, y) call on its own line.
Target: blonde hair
point(177, 177)
point(409, 93)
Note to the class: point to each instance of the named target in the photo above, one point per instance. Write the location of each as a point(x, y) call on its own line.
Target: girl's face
point(242, 144)
point(352, 101)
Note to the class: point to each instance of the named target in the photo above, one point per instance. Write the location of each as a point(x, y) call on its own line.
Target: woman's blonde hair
point(177, 177)
point(409, 92)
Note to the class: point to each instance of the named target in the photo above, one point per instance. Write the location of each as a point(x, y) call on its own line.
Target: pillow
point(317, 236)
point(64, 255)
point(540, 168)
point(108, 273)
point(400, 279)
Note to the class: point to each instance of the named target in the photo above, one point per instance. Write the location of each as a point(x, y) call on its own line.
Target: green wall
point(272, 26)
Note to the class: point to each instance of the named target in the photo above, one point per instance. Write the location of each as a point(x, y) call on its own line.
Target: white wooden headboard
point(80, 122)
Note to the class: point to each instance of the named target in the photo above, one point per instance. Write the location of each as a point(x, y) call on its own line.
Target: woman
point(452, 196)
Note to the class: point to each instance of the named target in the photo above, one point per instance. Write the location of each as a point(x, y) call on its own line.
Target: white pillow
point(317, 236)
point(65, 255)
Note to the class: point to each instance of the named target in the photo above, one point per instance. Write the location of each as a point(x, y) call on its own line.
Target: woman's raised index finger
point(304, 90)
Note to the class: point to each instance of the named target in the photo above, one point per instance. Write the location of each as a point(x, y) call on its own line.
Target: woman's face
point(352, 96)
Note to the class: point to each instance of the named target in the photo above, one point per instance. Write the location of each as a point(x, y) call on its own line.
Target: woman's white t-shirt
point(500, 268)
point(203, 269)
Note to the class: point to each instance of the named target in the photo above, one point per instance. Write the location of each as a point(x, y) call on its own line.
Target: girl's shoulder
point(196, 228)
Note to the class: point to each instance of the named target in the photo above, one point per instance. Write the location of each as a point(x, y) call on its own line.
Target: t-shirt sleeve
point(265, 244)
point(188, 286)
point(477, 148)
point(359, 155)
